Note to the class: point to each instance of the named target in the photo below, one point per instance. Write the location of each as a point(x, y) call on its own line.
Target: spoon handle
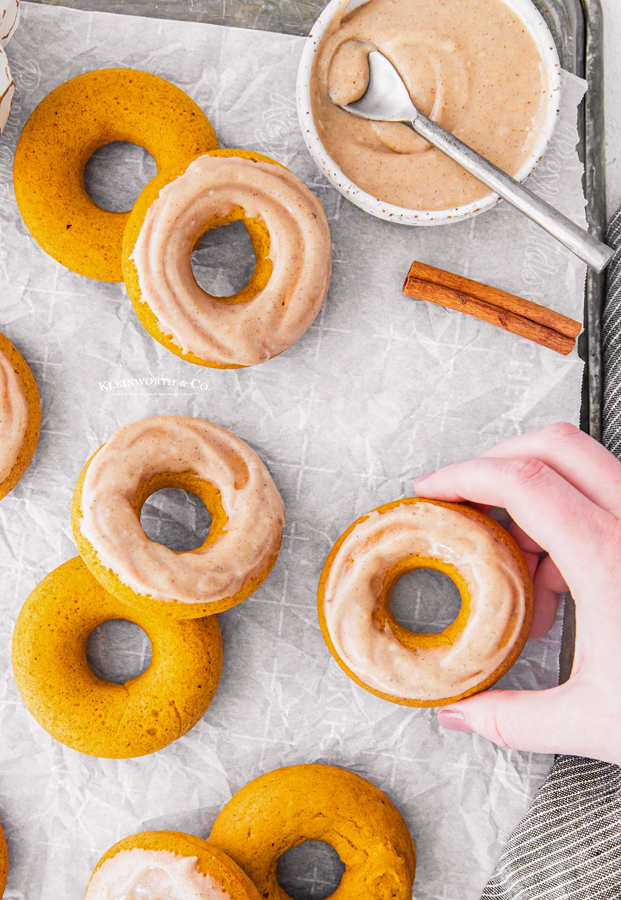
point(576, 239)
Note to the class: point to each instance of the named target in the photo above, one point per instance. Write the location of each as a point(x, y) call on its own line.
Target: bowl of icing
point(486, 70)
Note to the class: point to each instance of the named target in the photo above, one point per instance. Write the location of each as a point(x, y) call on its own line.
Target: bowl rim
point(537, 27)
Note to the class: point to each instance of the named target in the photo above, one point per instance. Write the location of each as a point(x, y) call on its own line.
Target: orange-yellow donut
point(4, 862)
point(20, 416)
point(289, 806)
point(416, 669)
point(291, 240)
point(181, 452)
point(157, 864)
point(98, 717)
point(62, 134)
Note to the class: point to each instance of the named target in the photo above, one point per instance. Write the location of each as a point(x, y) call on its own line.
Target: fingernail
point(453, 720)
point(422, 477)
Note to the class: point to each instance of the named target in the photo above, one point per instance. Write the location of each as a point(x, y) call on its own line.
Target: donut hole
point(310, 871)
point(425, 601)
point(224, 260)
point(116, 173)
point(118, 650)
point(176, 518)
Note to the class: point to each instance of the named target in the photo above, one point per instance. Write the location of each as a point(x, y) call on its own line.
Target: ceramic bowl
point(540, 32)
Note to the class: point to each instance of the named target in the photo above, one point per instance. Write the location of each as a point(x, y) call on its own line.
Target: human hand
point(563, 491)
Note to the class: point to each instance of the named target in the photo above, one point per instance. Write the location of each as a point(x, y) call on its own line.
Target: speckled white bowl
point(536, 26)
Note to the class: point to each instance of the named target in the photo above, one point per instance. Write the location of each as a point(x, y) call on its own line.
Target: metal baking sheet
point(577, 27)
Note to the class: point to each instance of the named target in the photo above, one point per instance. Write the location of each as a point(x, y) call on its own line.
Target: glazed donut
point(414, 669)
point(98, 717)
point(20, 416)
point(157, 864)
point(289, 806)
point(62, 134)
point(168, 451)
point(291, 240)
point(4, 862)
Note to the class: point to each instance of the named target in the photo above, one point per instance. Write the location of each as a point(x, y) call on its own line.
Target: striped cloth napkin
point(569, 845)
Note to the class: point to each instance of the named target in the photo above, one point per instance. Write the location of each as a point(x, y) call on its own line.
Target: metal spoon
point(387, 100)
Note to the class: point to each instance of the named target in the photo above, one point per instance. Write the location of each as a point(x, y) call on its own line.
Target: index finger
point(547, 507)
point(580, 459)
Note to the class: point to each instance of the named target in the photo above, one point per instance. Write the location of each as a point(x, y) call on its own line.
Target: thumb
point(539, 721)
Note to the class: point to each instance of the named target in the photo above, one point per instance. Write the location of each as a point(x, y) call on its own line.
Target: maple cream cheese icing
point(171, 444)
point(152, 875)
point(13, 415)
point(241, 333)
point(471, 66)
point(366, 556)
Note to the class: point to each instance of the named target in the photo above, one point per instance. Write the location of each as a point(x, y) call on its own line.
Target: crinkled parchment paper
point(380, 389)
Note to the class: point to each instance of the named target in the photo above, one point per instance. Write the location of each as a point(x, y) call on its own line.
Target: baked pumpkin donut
point(98, 717)
point(4, 862)
point(62, 134)
point(291, 240)
point(247, 516)
point(20, 416)
point(415, 669)
point(289, 806)
point(157, 864)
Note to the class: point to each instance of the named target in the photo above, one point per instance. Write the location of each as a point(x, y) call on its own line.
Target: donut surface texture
point(62, 134)
point(4, 862)
point(178, 452)
point(289, 806)
point(158, 864)
point(291, 240)
point(20, 416)
point(98, 717)
point(416, 669)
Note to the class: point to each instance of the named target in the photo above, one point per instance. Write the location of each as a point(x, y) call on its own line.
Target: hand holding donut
point(563, 491)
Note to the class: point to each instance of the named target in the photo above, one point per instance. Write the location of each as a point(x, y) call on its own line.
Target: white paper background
point(380, 389)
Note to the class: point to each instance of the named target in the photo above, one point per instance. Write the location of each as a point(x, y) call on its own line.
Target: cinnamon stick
point(522, 317)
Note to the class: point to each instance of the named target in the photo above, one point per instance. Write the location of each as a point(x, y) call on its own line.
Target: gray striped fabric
point(611, 343)
point(569, 845)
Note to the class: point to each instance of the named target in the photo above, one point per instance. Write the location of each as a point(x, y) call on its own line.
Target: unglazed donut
point(181, 452)
point(62, 134)
point(20, 416)
point(291, 240)
point(289, 806)
point(158, 864)
point(4, 862)
point(98, 717)
point(415, 669)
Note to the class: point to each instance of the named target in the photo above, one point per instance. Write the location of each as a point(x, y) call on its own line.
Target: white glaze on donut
point(497, 605)
point(152, 875)
point(241, 333)
point(13, 415)
point(7, 89)
point(9, 20)
point(181, 444)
